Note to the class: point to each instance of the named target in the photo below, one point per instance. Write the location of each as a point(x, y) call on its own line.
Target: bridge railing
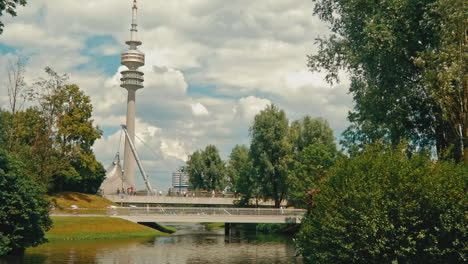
point(200, 211)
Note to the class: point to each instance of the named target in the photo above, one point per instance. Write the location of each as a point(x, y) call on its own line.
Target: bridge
point(207, 215)
point(155, 199)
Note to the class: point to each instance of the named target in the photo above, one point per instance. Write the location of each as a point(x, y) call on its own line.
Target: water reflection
point(191, 245)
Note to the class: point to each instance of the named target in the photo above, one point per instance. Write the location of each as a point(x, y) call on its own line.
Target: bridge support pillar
point(227, 229)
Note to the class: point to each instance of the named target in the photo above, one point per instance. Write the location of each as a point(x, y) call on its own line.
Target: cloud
point(248, 107)
point(199, 110)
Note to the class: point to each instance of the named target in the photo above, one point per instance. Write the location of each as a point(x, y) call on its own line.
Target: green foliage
point(206, 170)
point(378, 42)
point(9, 6)
point(54, 139)
point(445, 69)
point(310, 168)
point(242, 175)
point(382, 206)
point(24, 213)
point(314, 151)
point(271, 153)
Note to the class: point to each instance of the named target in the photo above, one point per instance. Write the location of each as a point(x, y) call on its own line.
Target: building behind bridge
point(180, 181)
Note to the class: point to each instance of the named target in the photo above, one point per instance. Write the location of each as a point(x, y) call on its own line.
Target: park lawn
point(83, 228)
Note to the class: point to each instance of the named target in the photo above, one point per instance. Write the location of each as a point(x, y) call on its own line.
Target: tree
point(10, 7)
point(238, 158)
point(242, 175)
point(16, 87)
point(206, 170)
point(314, 151)
point(24, 212)
point(54, 139)
point(378, 43)
point(384, 207)
point(195, 169)
point(270, 152)
point(309, 170)
point(74, 139)
point(445, 69)
point(309, 131)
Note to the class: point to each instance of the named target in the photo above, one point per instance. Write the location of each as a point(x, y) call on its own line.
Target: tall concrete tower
point(132, 80)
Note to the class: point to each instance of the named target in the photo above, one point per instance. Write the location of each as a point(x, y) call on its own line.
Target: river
point(191, 244)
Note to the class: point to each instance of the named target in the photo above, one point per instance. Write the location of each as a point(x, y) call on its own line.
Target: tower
point(132, 80)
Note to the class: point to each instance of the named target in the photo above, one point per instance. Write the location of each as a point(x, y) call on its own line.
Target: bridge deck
point(208, 215)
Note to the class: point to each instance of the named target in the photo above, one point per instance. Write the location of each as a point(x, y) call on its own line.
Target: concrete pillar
point(129, 160)
point(227, 229)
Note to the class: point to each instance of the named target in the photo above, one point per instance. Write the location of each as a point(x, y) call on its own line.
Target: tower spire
point(132, 80)
point(134, 29)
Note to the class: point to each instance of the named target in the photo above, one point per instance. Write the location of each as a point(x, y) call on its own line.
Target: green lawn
point(82, 228)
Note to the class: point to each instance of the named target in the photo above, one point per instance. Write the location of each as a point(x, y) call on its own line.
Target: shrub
point(383, 206)
point(24, 213)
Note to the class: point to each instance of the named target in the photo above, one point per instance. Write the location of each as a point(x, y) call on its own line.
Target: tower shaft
point(129, 161)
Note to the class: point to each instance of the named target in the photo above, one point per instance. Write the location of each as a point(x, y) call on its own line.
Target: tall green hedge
point(385, 207)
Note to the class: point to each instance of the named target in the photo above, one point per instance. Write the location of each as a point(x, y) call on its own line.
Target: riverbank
point(89, 228)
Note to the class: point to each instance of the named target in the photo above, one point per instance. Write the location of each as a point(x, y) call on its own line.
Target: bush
point(384, 207)
point(24, 213)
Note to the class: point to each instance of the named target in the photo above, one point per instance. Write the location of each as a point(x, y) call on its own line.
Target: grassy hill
point(82, 228)
point(82, 200)
point(94, 226)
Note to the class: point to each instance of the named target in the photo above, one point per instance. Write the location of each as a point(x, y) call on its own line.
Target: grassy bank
point(83, 228)
point(211, 226)
point(82, 200)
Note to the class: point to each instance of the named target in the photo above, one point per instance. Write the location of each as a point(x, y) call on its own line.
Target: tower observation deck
point(132, 80)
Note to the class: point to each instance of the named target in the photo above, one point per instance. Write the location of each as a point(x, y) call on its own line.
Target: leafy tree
point(271, 153)
point(74, 139)
point(9, 6)
point(314, 151)
point(243, 175)
point(377, 42)
point(384, 207)
point(237, 160)
point(195, 169)
point(309, 131)
point(309, 170)
point(206, 170)
point(55, 137)
point(445, 69)
point(24, 212)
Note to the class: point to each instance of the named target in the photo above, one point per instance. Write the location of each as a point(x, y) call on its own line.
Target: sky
point(211, 66)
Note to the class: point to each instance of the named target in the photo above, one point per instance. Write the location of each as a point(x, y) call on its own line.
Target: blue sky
point(211, 65)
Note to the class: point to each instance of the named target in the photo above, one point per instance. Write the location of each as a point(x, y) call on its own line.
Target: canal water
point(191, 244)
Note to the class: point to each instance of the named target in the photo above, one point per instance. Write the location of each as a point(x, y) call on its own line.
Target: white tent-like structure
point(114, 179)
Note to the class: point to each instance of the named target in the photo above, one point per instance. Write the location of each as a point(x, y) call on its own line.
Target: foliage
point(54, 138)
point(377, 42)
point(314, 151)
point(445, 67)
point(271, 153)
point(24, 213)
point(243, 175)
point(206, 170)
point(310, 169)
point(9, 6)
point(382, 206)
